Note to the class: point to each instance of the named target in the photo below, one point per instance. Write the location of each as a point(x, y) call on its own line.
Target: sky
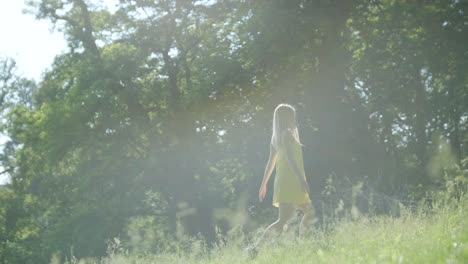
point(31, 42)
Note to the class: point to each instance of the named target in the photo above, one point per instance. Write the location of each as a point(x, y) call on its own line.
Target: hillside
point(438, 236)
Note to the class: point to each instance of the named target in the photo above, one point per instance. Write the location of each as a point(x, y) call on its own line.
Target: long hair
point(284, 118)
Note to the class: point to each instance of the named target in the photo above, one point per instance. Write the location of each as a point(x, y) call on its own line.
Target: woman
point(291, 190)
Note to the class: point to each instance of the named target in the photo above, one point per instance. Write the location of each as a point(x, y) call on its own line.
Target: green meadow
point(438, 235)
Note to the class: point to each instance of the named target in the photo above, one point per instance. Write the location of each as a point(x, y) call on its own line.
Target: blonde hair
point(284, 119)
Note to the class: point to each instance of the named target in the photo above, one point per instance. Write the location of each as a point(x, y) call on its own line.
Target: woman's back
point(288, 185)
point(282, 167)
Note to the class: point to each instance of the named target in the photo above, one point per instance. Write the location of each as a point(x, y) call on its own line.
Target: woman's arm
point(288, 140)
point(268, 170)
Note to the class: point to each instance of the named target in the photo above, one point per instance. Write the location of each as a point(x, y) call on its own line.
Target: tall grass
point(436, 235)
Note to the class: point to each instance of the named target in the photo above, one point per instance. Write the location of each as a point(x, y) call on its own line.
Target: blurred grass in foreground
point(437, 235)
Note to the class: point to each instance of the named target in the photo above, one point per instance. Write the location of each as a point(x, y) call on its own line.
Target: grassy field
point(436, 236)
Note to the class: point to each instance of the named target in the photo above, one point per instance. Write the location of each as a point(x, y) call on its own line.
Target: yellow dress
point(287, 187)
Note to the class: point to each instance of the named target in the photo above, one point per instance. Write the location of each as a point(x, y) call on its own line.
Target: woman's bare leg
point(286, 211)
point(307, 220)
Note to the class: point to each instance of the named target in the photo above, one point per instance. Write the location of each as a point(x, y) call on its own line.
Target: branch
point(5, 171)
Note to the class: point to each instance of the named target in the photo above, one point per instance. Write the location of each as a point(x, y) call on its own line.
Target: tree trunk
point(172, 71)
point(454, 119)
point(420, 121)
point(89, 42)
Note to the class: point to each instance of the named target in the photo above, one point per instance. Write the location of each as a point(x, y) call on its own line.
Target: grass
point(436, 236)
